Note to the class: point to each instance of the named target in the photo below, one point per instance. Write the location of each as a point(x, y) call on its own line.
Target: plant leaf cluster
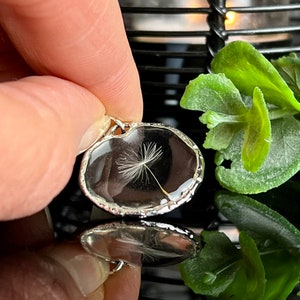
point(265, 266)
point(250, 106)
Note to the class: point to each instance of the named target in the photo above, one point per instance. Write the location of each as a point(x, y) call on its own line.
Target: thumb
point(47, 122)
point(64, 271)
point(88, 272)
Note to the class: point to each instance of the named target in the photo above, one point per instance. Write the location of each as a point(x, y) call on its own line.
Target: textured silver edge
point(116, 209)
point(184, 232)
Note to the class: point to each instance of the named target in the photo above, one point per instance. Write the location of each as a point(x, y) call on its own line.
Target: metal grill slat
point(167, 59)
point(184, 34)
point(260, 9)
point(164, 10)
point(274, 30)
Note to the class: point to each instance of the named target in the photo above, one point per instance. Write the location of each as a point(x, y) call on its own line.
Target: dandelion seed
point(149, 250)
point(135, 165)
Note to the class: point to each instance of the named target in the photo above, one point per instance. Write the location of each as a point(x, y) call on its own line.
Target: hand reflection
point(33, 266)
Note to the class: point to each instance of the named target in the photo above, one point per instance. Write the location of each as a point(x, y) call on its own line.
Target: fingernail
point(94, 132)
point(97, 295)
point(87, 271)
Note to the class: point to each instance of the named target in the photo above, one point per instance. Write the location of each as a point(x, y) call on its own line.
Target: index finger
point(81, 41)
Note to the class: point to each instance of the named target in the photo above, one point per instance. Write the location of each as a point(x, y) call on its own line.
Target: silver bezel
point(146, 233)
point(163, 208)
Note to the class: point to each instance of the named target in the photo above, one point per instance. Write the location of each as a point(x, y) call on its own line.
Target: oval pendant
point(139, 243)
point(141, 169)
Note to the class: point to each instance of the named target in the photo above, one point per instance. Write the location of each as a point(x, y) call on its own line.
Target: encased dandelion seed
point(145, 170)
point(136, 165)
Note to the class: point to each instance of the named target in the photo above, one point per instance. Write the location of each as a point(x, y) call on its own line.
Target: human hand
point(46, 121)
point(64, 65)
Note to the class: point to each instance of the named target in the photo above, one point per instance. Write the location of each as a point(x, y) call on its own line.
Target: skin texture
point(83, 48)
point(64, 66)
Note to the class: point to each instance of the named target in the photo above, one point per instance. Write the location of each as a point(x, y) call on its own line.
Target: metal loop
point(119, 265)
point(119, 125)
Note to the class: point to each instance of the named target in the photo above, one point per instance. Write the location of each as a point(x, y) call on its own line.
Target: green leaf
point(257, 139)
point(214, 267)
point(268, 228)
point(249, 282)
point(282, 270)
point(253, 267)
point(248, 68)
point(224, 110)
point(213, 119)
point(220, 137)
point(221, 271)
point(280, 165)
point(258, 220)
point(213, 92)
point(289, 69)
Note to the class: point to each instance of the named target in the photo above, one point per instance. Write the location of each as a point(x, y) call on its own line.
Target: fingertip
point(88, 272)
point(28, 275)
point(121, 92)
point(62, 271)
point(94, 132)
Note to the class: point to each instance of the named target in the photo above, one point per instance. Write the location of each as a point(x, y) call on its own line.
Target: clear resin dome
point(145, 170)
